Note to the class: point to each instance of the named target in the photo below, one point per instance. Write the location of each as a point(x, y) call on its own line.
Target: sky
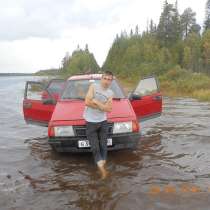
point(36, 34)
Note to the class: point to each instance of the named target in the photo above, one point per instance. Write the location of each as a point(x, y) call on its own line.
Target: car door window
point(56, 86)
point(34, 91)
point(147, 86)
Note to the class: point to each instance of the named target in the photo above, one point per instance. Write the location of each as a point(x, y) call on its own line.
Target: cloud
point(49, 18)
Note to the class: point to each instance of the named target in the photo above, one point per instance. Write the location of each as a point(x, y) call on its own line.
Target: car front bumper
point(119, 141)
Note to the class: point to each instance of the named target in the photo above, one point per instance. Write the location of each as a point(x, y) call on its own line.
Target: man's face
point(106, 80)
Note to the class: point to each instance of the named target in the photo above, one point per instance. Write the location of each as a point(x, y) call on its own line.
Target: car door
point(36, 108)
point(146, 99)
point(55, 87)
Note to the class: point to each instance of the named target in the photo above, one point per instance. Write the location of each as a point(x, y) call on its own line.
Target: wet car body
point(63, 114)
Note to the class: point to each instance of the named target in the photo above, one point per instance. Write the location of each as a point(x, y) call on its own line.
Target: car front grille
point(80, 131)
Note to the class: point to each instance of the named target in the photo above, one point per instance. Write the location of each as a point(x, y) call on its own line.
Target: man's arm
point(106, 107)
point(89, 98)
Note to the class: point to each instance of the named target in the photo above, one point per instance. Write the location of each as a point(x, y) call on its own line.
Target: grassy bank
point(176, 82)
point(179, 82)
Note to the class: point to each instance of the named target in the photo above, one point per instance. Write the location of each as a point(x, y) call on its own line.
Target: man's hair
point(108, 73)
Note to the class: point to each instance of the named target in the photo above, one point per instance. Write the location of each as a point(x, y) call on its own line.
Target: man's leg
point(103, 133)
point(92, 136)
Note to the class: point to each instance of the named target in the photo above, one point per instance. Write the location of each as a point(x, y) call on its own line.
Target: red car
point(63, 114)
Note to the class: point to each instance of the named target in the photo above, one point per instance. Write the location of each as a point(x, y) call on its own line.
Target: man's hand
point(106, 107)
point(109, 104)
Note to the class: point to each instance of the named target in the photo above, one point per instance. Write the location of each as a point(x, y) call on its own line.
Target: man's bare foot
point(102, 169)
point(104, 172)
point(104, 162)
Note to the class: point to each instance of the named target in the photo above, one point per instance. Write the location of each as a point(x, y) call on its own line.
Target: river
point(170, 169)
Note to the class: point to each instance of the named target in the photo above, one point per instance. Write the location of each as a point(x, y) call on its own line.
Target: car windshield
point(77, 89)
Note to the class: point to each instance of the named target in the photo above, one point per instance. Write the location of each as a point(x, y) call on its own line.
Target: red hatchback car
point(60, 106)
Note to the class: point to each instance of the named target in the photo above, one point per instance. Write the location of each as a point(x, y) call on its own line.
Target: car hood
point(73, 110)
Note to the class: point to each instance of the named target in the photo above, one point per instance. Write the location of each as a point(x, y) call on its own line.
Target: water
point(170, 169)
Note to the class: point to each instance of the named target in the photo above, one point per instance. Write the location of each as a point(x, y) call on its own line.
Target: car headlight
point(64, 131)
point(122, 127)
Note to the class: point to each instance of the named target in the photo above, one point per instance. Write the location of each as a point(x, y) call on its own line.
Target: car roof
point(86, 76)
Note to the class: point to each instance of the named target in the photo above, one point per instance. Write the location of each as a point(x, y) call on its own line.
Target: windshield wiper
point(117, 98)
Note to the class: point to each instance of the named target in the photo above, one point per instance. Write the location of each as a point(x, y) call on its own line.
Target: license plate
point(86, 143)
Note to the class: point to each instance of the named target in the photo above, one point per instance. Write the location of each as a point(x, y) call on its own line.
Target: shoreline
point(15, 74)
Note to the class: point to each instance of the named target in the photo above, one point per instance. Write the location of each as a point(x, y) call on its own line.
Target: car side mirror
point(48, 101)
point(134, 96)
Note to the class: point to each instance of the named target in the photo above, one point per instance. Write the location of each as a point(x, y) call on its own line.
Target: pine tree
point(176, 23)
point(152, 28)
point(86, 48)
point(169, 30)
point(207, 16)
point(137, 30)
point(192, 52)
point(131, 33)
point(65, 61)
point(188, 21)
point(206, 50)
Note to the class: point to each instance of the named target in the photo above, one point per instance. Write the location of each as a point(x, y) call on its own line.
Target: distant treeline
point(14, 74)
point(52, 72)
